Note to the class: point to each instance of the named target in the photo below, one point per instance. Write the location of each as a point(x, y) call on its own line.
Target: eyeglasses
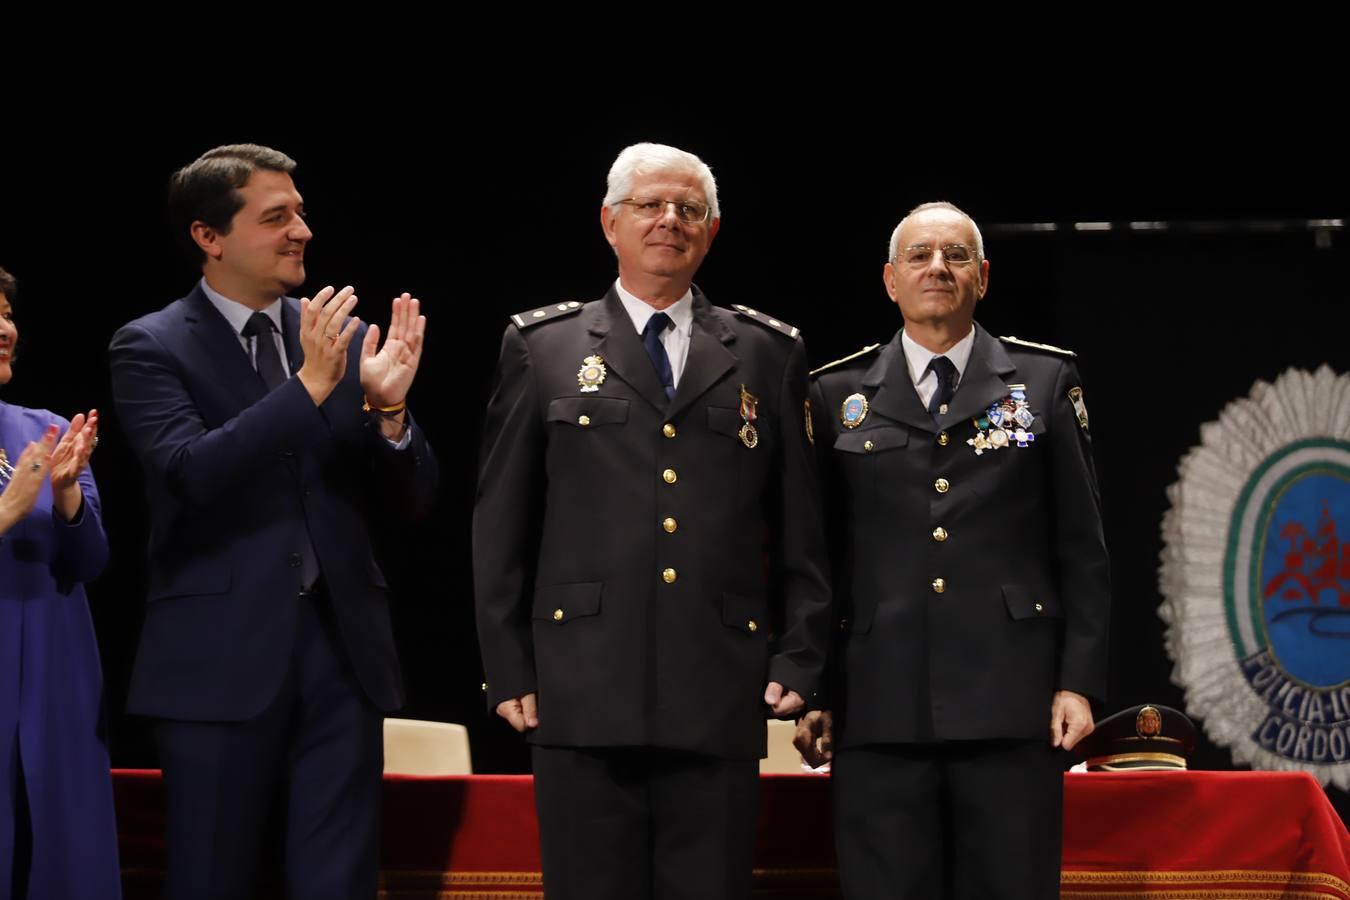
point(687, 211)
point(920, 255)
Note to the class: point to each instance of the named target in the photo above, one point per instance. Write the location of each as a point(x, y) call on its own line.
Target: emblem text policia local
point(1256, 576)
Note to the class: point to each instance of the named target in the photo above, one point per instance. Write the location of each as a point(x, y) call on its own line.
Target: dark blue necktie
point(651, 339)
point(268, 362)
point(945, 370)
point(266, 358)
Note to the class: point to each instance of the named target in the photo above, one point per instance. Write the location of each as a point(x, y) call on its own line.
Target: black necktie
point(651, 339)
point(945, 370)
point(266, 358)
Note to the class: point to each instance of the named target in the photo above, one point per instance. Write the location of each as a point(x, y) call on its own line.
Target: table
point(1155, 835)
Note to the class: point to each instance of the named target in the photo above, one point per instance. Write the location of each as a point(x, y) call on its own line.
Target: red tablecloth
point(1193, 835)
point(1202, 834)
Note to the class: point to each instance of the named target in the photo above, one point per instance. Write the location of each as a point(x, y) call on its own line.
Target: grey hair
point(647, 159)
point(894, 249)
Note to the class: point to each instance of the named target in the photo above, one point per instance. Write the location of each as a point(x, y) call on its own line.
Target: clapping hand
point(387, 375)
point(21, 492)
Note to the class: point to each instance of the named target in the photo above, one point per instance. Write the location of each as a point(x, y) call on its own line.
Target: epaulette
point(1048, 348)
point(766, 320)
point(545, 313)
point(870, 348)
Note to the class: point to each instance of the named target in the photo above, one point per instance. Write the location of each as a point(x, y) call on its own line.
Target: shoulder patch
point(766, 320)
point(545, 313)
point(1048, 348)
point(870, 348)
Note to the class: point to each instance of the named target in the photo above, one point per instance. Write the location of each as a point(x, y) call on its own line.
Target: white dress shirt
point(237, 314)
point(675, 338)
point(918, 358)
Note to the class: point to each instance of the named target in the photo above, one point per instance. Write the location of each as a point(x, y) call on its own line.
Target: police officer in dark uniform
point(649, 555)
point(971, 575)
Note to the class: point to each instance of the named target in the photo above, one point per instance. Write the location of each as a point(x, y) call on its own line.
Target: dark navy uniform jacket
point(971, 586)
point(635, 562)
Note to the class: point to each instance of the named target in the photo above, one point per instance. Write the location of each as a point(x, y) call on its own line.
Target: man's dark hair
point(207, 190)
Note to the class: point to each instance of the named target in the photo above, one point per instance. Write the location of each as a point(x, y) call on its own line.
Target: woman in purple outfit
point(58, 838)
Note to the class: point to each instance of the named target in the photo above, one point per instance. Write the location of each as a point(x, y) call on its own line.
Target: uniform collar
point(918, 357)
point(681, 312)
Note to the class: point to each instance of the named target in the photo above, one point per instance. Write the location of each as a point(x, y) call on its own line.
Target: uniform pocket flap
point(725, 421)
point(871, 441)
point(743, 613)
point(1026, 603)
point(563, 602)
point(588, 411)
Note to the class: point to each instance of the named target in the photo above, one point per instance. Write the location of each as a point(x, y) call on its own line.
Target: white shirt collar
point(681, 312)
point(236, 313)
point(918, 358)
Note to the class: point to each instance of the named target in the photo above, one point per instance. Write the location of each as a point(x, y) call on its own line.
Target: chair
point(414, 747)
point(783, 758)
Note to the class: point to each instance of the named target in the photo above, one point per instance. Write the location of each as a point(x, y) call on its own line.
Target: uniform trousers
point(304, 774)
point(645, 824)
point(962, 819)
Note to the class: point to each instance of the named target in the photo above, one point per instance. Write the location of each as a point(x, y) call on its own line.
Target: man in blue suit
point(274, 437)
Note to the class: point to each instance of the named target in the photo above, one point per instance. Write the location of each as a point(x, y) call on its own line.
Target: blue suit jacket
point(235, 475)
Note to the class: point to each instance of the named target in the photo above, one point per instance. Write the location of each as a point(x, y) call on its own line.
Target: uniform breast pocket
point(1011, 454)
point(588, 412)
point(871, 441)
point(1009, 435)
point(861, 456)
point(726, 422)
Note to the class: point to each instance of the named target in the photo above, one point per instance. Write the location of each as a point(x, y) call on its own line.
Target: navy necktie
point(651, 339)
point(266, 358)
point(945, 370)
point(272, 372)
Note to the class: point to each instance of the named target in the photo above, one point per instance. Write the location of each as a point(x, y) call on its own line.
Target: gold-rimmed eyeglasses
point(689, 212)
point(919, 255)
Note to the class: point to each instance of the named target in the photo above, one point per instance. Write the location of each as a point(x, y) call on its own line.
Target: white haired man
point(639, 453)
point(973, 589)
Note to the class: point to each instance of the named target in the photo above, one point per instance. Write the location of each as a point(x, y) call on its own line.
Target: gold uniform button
point(583, 421)
point(939, 534)
point(943, 440)
point(942, 485)
point(670, 525)
point(1040, 608)
point(668, 476)
point(868, 445)
point(668, 430)
point(669, 576)
point(557, 615)
point(939, 585)
point(752, 626)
